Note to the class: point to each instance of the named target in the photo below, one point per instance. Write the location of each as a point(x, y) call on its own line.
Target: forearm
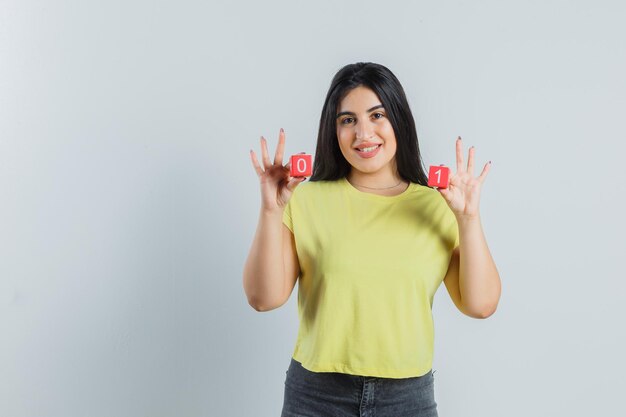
point(479, 281)
point(264, 275)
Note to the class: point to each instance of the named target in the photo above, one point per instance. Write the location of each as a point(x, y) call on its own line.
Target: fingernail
point(281, 130)
point(489, 161)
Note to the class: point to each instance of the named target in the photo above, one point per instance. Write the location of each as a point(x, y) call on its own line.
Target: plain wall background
point(128, 201)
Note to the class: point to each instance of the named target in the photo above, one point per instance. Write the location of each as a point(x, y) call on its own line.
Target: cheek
point(391, 146)
point(388, 129)
point(389, 135)
point(344, 139)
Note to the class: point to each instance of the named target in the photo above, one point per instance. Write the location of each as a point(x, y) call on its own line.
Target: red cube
point(301, 165)
point(438, 176)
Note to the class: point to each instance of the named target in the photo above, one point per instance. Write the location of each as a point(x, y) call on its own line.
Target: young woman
point(371, 243)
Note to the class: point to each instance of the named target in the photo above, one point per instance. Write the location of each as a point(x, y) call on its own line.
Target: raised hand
point(276, 183)
point(463, 193)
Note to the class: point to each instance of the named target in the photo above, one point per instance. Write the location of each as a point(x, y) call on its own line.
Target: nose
point(364, 131)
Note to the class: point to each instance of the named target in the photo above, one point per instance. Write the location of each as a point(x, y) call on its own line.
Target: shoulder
point(315, 188)
point(428, 196)
point(430, 203)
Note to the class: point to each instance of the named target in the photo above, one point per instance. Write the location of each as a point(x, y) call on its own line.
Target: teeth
point(369, 149)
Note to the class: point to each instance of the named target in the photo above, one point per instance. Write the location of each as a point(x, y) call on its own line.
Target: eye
point(344, 121)
point(381, 114)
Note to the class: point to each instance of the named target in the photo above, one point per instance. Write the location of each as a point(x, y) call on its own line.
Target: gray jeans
point(333, 394)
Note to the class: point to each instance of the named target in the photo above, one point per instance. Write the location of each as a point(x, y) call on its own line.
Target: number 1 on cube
point(438, 176)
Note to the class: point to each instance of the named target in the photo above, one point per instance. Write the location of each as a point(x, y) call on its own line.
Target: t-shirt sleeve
point(455, 232)
point(453, 228)
point(287, 219)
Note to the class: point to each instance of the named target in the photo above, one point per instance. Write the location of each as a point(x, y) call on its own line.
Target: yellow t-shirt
point(370, 266)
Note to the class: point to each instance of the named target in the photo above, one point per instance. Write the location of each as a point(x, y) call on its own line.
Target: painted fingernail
point(489, 161)
point(281, 130)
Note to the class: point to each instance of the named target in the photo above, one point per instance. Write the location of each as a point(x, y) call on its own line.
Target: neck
point(377, 180)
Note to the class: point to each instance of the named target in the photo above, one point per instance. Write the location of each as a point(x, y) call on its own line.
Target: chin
point(367, 169)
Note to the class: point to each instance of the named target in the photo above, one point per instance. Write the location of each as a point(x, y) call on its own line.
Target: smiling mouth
point(369, 149)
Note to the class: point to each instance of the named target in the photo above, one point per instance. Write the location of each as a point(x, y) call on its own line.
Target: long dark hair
point(329, 163)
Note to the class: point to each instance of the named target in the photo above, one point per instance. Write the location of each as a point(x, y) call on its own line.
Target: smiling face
point(362, 123)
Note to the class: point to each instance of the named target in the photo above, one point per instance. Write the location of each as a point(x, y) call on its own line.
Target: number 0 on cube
point(301, 165)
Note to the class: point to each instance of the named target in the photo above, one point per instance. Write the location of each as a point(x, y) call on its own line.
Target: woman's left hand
point(463, 192)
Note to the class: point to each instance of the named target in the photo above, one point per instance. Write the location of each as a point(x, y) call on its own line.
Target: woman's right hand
point(276, 183)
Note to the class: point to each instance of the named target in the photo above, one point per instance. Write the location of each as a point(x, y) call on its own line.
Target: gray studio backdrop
point(128, 201)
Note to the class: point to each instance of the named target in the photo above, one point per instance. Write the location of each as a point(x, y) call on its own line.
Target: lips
point(366, 145)
point(369, 154)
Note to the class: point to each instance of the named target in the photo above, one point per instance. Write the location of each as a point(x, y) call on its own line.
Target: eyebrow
point(354, 114)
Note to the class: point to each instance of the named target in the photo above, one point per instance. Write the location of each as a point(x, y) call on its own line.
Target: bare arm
point(272, 267)
point(479, 281)
point(472, 278)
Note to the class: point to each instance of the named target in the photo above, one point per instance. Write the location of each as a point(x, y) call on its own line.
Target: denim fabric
point(333, 394)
